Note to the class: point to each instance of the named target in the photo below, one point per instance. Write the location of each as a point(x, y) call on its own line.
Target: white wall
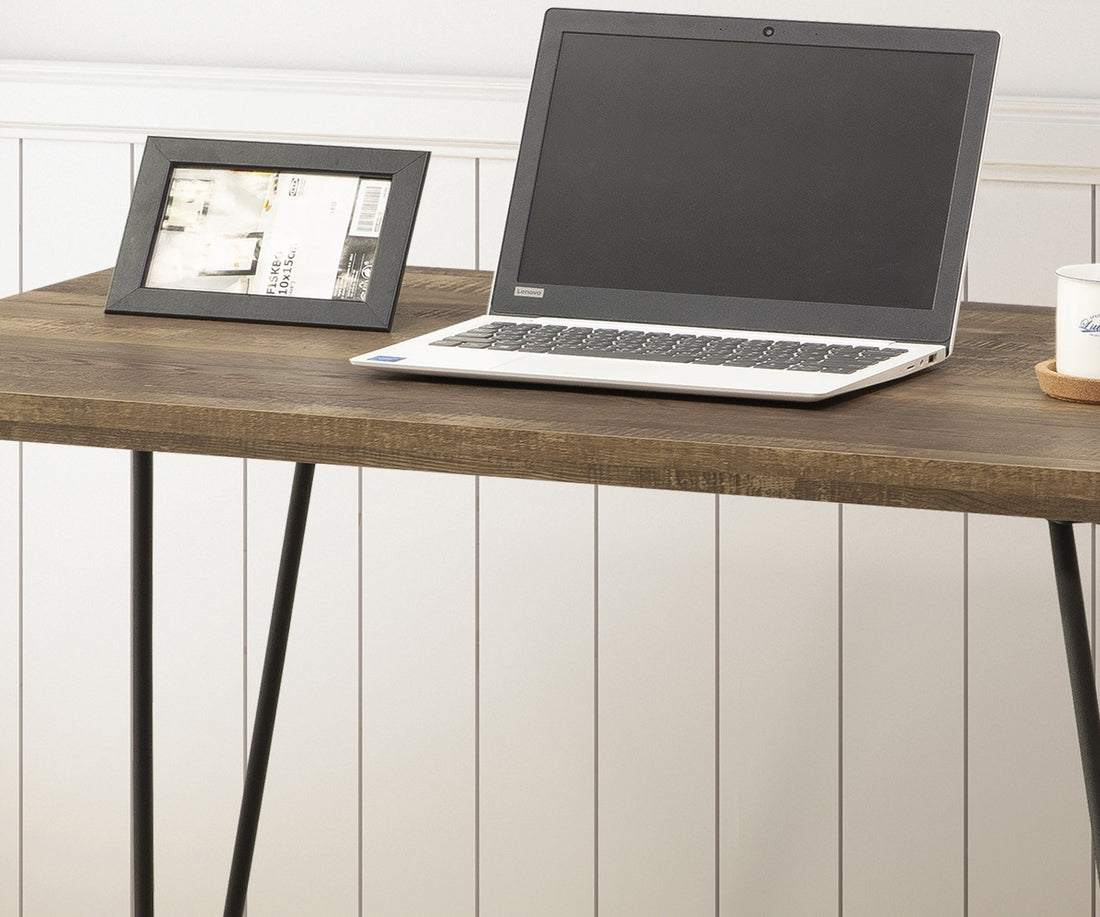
point(1049, 47)
point(452, 739)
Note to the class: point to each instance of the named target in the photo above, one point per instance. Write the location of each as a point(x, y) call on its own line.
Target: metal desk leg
point(268, 698)
point(1071, 603)
point(141, 682)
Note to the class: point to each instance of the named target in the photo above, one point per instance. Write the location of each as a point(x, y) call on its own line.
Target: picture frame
point(283, 233)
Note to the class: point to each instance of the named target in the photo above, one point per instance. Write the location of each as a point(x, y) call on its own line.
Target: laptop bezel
point(510, 296)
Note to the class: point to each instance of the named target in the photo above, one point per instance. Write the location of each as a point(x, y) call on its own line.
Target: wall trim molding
point(1038, 139)
point(468, 116)
point(1040, 109)
point(271, 80)
point(1032, 139)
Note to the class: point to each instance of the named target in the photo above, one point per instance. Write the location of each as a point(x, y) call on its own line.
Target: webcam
point(768, 31)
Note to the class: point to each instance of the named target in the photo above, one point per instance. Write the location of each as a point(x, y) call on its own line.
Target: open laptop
point(734, 207)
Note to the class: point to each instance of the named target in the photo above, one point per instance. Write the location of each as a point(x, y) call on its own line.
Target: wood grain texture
point(975, 434)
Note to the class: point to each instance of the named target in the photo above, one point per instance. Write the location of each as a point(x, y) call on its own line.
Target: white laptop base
point(753, 180)
point(425, 355)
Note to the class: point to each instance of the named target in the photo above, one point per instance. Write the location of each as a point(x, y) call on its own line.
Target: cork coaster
point(1067, 388)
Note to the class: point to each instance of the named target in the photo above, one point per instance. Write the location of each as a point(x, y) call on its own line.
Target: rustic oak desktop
point(973, 435)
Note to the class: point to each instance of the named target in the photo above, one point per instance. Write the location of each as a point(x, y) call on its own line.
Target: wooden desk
point(975, 434)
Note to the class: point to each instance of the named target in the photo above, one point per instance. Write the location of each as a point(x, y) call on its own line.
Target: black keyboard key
point(668, 347)
point(659, 356)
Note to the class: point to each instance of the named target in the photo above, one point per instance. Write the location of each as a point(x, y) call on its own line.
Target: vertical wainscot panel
point(779, 707)
point(903, 713)
point(307, 846)
point(76, 689)
point(419, 694)
point(445, 233)
point(9, 677)
point(76, 195)
point(1022, 232)
point(537, 699)
point(657, 696)
point(494, 191)
point(198, 677)
point(9, 216)
point(1029, 830)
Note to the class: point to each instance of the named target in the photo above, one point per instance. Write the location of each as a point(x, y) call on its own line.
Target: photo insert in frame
point(308, 235)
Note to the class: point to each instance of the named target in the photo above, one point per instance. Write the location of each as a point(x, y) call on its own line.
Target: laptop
point(732, 207)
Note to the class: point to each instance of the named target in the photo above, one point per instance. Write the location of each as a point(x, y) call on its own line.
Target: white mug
point(1077, 324)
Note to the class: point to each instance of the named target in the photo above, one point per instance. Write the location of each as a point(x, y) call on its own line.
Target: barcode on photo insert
point(370, 207)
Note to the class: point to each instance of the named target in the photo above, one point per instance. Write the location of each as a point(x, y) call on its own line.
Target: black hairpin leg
point(1071, 603)
point(141, 682)
point(268, 698)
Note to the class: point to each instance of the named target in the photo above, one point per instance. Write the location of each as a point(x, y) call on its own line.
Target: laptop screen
point(740, 174)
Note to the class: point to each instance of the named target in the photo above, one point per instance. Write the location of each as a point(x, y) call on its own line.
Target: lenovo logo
point(533, 292)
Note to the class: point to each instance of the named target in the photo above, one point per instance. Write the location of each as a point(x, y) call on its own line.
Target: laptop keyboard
point(706, 349)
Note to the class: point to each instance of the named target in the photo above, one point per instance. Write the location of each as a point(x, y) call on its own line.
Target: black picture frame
point(159, 273)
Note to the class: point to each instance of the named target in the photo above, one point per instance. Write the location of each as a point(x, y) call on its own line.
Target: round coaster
point(1067, 388)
